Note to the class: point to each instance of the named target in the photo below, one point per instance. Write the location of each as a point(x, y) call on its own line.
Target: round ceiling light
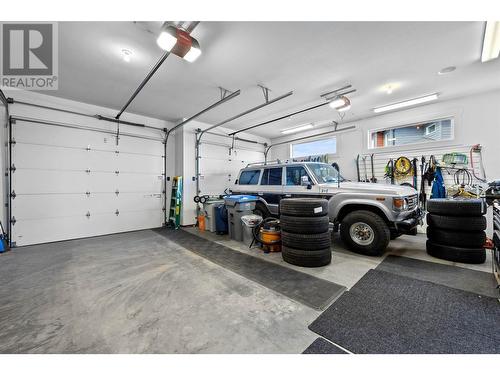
point(447, 70)
point(126, 54)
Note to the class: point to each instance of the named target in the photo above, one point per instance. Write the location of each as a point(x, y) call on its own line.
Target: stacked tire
point(305, 235)
point(455, 230)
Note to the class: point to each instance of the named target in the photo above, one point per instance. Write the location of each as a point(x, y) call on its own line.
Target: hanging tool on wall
point(477, 149)
point(373, 179)
point(389, 171)
point(402, 167)
point(415, 178)
point(422, 198)
point(364, 168)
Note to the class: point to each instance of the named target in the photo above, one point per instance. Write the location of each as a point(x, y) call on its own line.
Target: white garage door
point(219, 168)
point(72, 183)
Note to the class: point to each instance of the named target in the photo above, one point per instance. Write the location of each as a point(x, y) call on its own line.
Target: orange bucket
point(201, 222)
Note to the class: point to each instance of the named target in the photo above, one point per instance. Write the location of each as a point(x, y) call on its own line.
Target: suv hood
point(371, 188)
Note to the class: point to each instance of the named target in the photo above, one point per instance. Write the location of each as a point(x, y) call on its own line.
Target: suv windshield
point(324, 173)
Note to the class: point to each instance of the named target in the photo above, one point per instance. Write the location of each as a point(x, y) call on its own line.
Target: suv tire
point(365, 232)
point(456, 254)
point(456, 207)
point(304, 225)
point(305, 207)
point(307, 258)
point(465, 224)
point(454, 238)
point(306, 241)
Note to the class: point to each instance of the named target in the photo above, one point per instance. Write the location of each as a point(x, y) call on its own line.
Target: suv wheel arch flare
point(348, 208)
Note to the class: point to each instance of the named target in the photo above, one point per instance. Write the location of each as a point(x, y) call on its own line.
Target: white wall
point(477, 120)
point(40, 113)
point(216, 164)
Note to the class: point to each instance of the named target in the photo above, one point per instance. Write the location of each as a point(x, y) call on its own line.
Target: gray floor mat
point(455, 277)
point(321, 346)
point(388, 313)
point(309, 290)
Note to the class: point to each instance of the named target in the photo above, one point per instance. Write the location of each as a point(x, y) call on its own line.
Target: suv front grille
point(412, 202)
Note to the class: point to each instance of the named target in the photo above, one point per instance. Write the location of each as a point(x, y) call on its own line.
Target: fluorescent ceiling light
point(297, 129)
point(167, 38)
point(407, 103)
point(194, 52)
point(491, 41)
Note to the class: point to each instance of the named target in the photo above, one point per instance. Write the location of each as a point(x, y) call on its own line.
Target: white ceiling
point(309, 58)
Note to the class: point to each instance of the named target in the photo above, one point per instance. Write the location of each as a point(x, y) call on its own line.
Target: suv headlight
point(400, 204)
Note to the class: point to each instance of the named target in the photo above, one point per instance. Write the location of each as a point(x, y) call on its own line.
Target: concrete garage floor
point(139, 292)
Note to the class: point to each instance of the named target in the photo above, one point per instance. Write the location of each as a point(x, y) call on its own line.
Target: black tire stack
point(305, 236)
point(455, 230)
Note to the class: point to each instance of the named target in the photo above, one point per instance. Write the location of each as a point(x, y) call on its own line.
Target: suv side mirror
point(304, 181)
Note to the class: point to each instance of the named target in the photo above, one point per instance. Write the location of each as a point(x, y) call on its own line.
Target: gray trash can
point(249, 223)
point(238, 206)
point(209, 209)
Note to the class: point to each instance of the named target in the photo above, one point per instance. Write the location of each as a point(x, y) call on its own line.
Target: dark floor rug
point(321, 346)
point(309, 290)
point(389, 313)
point(455, 277)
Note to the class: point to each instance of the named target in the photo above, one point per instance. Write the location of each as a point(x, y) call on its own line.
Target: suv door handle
point(288, 195)
point(260, 193)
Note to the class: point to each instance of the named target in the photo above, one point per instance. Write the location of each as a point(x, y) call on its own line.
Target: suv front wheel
point(365, 232)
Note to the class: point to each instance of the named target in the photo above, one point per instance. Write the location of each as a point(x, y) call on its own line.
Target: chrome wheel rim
point(361, 233)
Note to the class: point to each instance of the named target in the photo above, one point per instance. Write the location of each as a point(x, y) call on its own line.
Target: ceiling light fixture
point(297, 129)
point(407, 103)
point(447, 70)
point(126, 54)
point(346, 106)
point(339, 102)
point(178, 42)
point(491, 41)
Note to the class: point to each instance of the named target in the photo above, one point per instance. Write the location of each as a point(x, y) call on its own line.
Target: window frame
point(250, 170)
point(452, 118)
point(269, 169)
point(315, 140)
point(308, 174)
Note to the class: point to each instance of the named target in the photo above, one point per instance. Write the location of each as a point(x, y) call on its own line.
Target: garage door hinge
point(88, 214)
point(87, 193)
point(117, 152)
point(13, 220)
point(117, 212)
point(117, 192)
point(88, 148)
point(87, 170)
point(13, 168)
point(13, 142)
point(117, 172)
point(13, 194)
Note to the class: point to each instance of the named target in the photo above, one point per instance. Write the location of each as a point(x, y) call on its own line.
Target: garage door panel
point(47, 157)
point(138, 145)
point(33, 181)
point(50, 206)
point(140, 163)
point(28, 232)
point(59, 136)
